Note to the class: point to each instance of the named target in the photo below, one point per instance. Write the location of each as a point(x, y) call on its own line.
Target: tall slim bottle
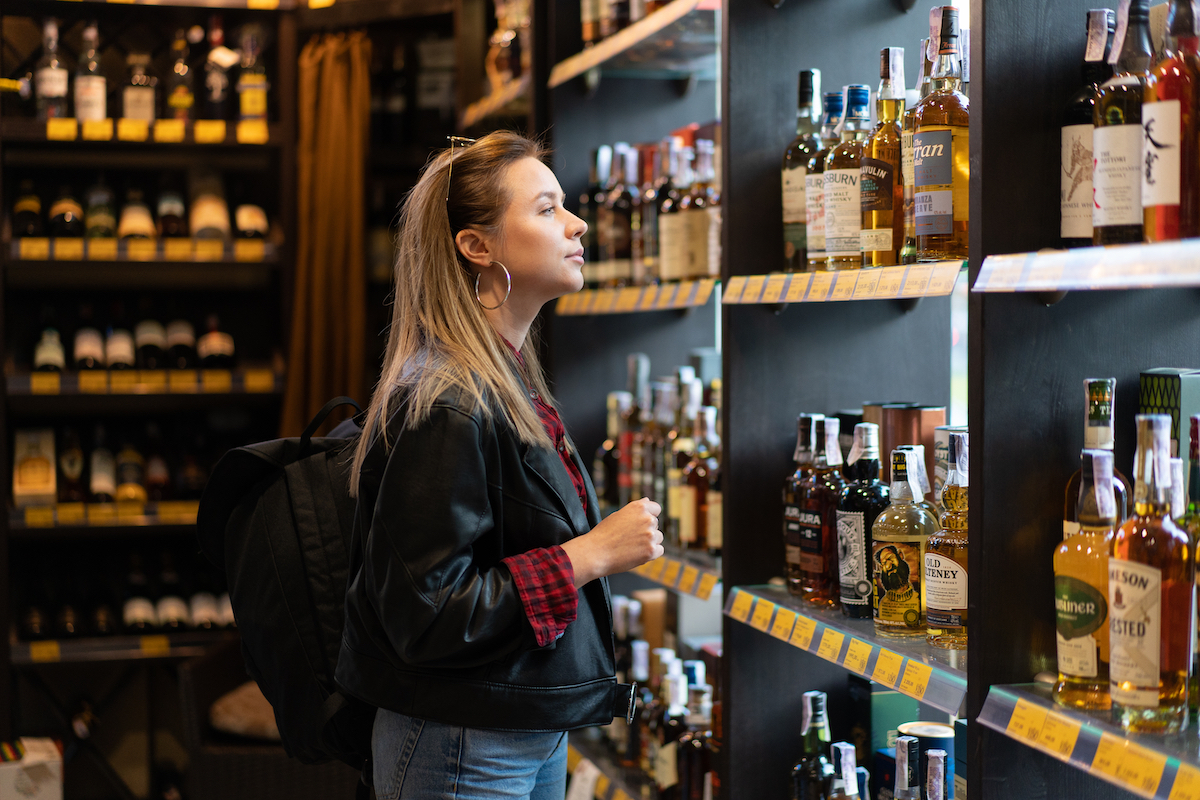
point(817, 498)
point(590, 203)
point(1081, 590)
point(899, 537)
point(863, 499)
point(795, 558)
point(639, 385)
point(91, 87)
point(1099, 396)
point(1190, 522)
point(843, 192)
point(1171, 178)
point(946, 557)
point(1118, 138)
point(50, 77)
point(1078, 126)
point(606, 465)
point(695, 207)
point(813, 773)
point(673, 240)
point(700, 483)
point(882, 176)
point(936, 787)
point(618, 213)
point(795, 169)
point(941, 154)
point(814, 181)
point(908, 251)
point(908, 763)
point(652, 178)
point(845, 776)
point(1151, 577)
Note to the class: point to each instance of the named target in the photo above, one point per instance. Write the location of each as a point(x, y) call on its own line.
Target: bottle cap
point(866, 442)
point(813, 709)
point(1099, 394)
point(826, 435)
point(908, 762)
point(805, 424)
point(1098, 464)
point(846, 761)
point(858, 96)
point(810, 86)
point(833, 103)
point(959, 455)
point(935, 783)
point(917, 466)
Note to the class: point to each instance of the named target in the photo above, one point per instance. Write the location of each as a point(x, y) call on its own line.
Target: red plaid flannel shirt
point(544, 577)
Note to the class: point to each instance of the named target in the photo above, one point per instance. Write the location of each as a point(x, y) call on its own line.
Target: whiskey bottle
point(1171, 177)
point(666, 200)
point(843, 193)
point(666, 406)
point(1189, 521)
point(131, 474)
point(908, 251)
point(66, 215)
point(102, 470)
point(936, 787)
point(795, 557)
point(667, 727)
point(150, 340)
point(812, 774)
point(119, 349)
point(941, 154)
point(589, 201)
point(48, 355)
point(1118, 139)
point(679, 445)
point(158, 475)
point(701, 487)
point(72, 487)
point(100, 219)
point(171, 609)
point(215, 348)
point(858, 505)
point(50, 77)
point(795, 169)
point(27, 211)
point(618, 212)
point(651, 178)
point(694, 208)
point(1099, 401)
point(640, 673)
point(172, 214)
point(694, 751)
point(908, 762)
point(817, 498)
point(219, 61)
point(1151, 576)
point(88, 352)
point(180, 96)
point(606, 464)
point(921, 487)
point(946, 557)
point(673, 250)
point(814, 181)
point(252, 77)
point(140, 95)
point(638, 383)
point(882, 177)
point(136, 221)
point(138, 613)
point(181, 345)
point(844, 785)
point(208, 212)
point(91, 87)
point(1081, 590)
point(898, 541)
point(1075, 203)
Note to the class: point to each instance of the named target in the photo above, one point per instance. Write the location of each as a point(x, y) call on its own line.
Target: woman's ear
point(474, 247)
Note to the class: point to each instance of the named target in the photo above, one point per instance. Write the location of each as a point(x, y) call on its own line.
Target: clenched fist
point(626, 539)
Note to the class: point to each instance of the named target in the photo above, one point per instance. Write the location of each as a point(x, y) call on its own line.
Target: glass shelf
point(877, 283)
point(1127, 266)
point(680, 40)
point(934, 676)
point(496, 102)
point(658, 297)
point(693, 573)
point(1149, 766)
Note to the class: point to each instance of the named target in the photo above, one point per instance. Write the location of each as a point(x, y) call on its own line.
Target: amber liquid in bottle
point(898, 540)
point(882, 178)
point(817, 504)
point(793, 534)
point(843, 188)
point(795, 170)
point(946, 558)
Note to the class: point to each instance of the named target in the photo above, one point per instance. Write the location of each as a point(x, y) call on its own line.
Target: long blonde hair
point(439, 337)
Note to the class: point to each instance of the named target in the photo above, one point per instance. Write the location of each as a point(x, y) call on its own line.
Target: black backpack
point(276, 518)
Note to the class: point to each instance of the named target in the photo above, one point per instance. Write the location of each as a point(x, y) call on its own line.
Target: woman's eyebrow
point(551, 195)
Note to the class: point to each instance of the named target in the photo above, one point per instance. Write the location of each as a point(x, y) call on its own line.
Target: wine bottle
point(91, 87)
point(181, 345)
point(102, 470)
point(66, 215)
point(215, 348)
point(27, 211)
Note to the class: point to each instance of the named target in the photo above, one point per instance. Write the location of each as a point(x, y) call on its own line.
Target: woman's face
point(539, 240)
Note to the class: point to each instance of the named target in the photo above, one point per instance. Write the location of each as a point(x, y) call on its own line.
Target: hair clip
point(454, 140)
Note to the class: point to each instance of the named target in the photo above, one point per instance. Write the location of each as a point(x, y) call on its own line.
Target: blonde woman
point(478, 618)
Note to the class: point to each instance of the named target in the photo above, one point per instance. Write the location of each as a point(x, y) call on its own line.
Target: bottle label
point(252, 96)
point(802, 532)
point(181, 100)
point(1070, 528)
point(64, 206)
point(173, 609)
point(898, 573)
point(879, 239)
point(1078, 657)
point(1080, 609)
point(843, 213)
point(51, 82)
point(906, 158)
point(856, 590)
point(209, 213)
point(687, 514)
point(878, 185)
point(91, 97)
point(215, 343)
point(933, 212)
point(88, 344)
point(139, 611)
point(715, 520)
point(70, 463)
point(672, 246)
point(1161, 176)
point(697, 242)
point(814, 202)
point(1135, 615)
point(666, 771)
point(1116, 179)
point(945, 590)
point(712, 264)
point(103, 473)
point(1075, 182)
point(674, 492)
point(138, 102)
point(795, 203)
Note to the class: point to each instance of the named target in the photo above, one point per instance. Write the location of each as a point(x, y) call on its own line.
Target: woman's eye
point(549, 209)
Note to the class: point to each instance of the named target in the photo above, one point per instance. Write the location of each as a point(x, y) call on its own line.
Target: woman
point(478, 617)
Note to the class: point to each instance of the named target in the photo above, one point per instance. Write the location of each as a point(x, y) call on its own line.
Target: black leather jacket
point(435, 628)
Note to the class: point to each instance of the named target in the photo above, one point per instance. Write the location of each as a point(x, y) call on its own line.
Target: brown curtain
point(326, 353)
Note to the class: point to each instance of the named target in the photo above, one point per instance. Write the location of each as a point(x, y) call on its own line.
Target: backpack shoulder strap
point(326, 410)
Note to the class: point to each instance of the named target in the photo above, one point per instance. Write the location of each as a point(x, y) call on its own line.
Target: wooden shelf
point(879, 283)
point(612, 781)
point(162, 133)
point(683, 572)
point(117, 648)
point(494, 104)
point(933, 676)
point(1127, 266)
point(103, 518)
point(659, 297)
point(1149, 766)
point(680, 40)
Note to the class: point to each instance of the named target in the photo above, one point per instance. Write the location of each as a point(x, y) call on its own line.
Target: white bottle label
point(716, 535)
point(795, 208)
point(91, 97)
point(1116, 179)
point(713, 262)
point(945, 583)
point(1075, 182)
point(906, 157)
point(843, 213)
point(103, 472)
point(697, 242)
point(1160, 178)
point(687, 514)
point(51, 82)
point(1134, 619)
point(878, 239)
point(674, 492)
point(856, 590)
point(814, 199)
point(1077, 656)
point(672, 246)
point(666, 770)
point(138, 103)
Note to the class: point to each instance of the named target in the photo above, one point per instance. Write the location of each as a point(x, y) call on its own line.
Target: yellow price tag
point(39, 517)
point(181, 381)
point(733, 292)
point(627, 300)
point(168, 130)
point(708, 582)
point(666, 295)
point(142, 249)
point(818, 289)
point(761, 619)
point(890, 281)
point(93, 381)
point(843, 286)
point(802, 634)
point(1059, 735)
point(216, 381)
point(1026, 722)
point(573, 759)
point(249, 250)
point(252, 131)
point(70, 513)
point(102, 249)
point(155, 645)
point(33, 248)
point(101, 513)
point(683, 295)
point(262, 5)
point(868, 284)
point(153, 381)
point(209, 249)
point(122, 381)
point(177, 249)
point(857, 655)
point(785, 620)
point(916, 679)
point(797, 287)
point(670, 575)
point(45, 383)
point(133, 130)
point(41, 652)
point(258, 381)
point(649, 298)
point(831, 644)
point(98, 130)
point(887, 668)
point(654, 569)
point(129, 510)
point(742, 603)
point(63, 129)
point(754, 288)
point(208, 131)
point(1186, 785)
point(68, 249)
point(602, 783)
point(605, 301)
point(704, 291)
point(1138, 769)
point(774, 288)
point(687, 583)
point(916, 281)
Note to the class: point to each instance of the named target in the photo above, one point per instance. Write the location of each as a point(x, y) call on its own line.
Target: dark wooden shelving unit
point(184, 644)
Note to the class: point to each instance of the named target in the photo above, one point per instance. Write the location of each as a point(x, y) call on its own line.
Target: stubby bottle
point(898, 540)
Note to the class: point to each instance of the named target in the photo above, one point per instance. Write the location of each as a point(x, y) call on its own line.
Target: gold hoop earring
point(508, 278)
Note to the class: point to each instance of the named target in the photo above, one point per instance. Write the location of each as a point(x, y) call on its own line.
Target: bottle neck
point(1152, 491)
point(858, 123)
point(865, 470)
point(889, 108)
point(817, 737)
point(1137, 54)
point(900, 490)
point(1181, 29)
point(804, 118)
point(947, 70)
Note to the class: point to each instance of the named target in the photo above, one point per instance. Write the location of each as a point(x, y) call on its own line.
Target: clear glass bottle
point(50, 78)
point(863, 499)
point(674, 263)
point(793, 534)
point(91, 87)
point(1075, 200)
point(1151, 584)
point(1099, 396)
point(908, 763)
point(700, 481)
point(941, 154)
point(638, 385)
point(252, 77)
point(946, 556)
point(795, 169)
point(813, 773)
point(694, 208)
point(180, 95)
point(842, 177)
point(833, 104)
point(882, 176)
point(908, 251)
point(679, 445)
point(139, 97)
point(898, 540)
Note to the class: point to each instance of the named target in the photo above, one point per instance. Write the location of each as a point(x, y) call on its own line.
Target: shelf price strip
point(686, 294)
point(679, 575)
point(1121, 267)
point(859, 284)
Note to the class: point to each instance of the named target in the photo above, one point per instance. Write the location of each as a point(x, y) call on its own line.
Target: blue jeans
point(415, 758)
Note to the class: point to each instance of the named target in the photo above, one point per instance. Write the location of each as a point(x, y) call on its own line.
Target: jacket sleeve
point(437, 606)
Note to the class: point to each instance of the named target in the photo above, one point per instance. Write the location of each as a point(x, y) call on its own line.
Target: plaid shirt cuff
point(545, 581)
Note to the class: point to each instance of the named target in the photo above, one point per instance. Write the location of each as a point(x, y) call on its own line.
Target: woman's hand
point(626, 539)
